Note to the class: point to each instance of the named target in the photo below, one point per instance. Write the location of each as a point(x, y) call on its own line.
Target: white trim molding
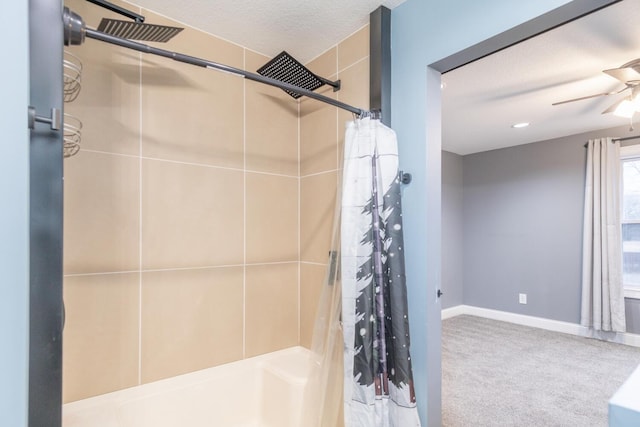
point(540, 322)
point(630, 151)
point(454, 311)
point(632, 292)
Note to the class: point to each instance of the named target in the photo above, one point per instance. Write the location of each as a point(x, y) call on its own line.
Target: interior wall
point(322, 129)
point(188, 211)
point(523, 210)
point(181, 215)
point(423, 32)
point(452, 230)
point(632, 307)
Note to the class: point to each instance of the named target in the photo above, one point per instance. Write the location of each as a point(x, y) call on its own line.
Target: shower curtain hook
point(372, 114)
point(368, 114)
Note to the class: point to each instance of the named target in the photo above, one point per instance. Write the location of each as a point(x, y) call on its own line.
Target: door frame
point(557, 17)
point(45, 213)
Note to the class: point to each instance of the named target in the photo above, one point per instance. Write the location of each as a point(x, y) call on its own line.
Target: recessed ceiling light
point(520, 125)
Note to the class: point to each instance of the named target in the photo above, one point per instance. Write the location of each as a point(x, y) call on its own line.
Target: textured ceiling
point(483, 99)
point(303, 28)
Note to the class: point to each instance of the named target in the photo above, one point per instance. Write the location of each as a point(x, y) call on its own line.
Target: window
point(630, 220)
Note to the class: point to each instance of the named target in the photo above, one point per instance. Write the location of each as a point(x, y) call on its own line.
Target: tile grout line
point(201, 30)
point(191, 163)
point(244, 208)
point(140, 219)
point(299, 231)
point(338, 112)
point(353, 64)
point(321, 264)
point(327, 50)
point(156, 270)
point(321, 173)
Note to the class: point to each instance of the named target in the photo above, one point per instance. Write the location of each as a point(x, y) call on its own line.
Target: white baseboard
point(536, 322)
point(454, 311)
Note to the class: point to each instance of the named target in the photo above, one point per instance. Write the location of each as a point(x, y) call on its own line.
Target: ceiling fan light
point(625, 109)
point(636, 101)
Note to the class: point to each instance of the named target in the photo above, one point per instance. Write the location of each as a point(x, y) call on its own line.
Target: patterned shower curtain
point(378, 382)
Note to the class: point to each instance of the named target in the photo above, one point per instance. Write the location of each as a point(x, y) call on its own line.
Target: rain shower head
point(136, 30)
point(286, 69)
point(131, 30)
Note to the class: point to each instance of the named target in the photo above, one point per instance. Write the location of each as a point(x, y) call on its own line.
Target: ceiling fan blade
point(585, 97)
point(624, 74)
point(613, 107)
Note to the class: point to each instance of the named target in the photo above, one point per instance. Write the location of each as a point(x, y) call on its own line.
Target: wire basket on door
point(72, 135)
point(72, 76)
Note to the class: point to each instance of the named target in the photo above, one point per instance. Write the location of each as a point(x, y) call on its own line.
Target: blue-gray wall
point(14, 214)
point(452, 226)
point(632, 307)
point(523, 228)
point(423, 32)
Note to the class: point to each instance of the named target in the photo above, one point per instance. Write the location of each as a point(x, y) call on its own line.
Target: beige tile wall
point(198, 212)
point(321, 143)
point(191, 320)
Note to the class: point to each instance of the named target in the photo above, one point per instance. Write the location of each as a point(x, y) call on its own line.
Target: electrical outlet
point(522, 298)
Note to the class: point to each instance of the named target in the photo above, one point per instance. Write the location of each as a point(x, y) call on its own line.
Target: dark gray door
point(45, 343)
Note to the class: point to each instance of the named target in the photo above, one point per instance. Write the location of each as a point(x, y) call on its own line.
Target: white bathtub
point(263, 391)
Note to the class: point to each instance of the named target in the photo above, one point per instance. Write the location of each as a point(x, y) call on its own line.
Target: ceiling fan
point(629, 74)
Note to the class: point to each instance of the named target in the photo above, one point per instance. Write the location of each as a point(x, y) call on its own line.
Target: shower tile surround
point(199, 211)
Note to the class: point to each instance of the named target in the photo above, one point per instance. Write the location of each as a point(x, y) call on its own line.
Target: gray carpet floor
point(501, 374)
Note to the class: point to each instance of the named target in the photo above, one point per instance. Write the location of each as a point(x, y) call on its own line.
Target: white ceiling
point(483, 99)
point(304, 28)
point(480, 100)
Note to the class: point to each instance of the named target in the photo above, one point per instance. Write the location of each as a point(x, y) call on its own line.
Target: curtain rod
point(75, 32)
point(98, 35)
point(626, 138)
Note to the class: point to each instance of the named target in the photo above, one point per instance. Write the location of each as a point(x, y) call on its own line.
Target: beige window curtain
point(602, 288)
